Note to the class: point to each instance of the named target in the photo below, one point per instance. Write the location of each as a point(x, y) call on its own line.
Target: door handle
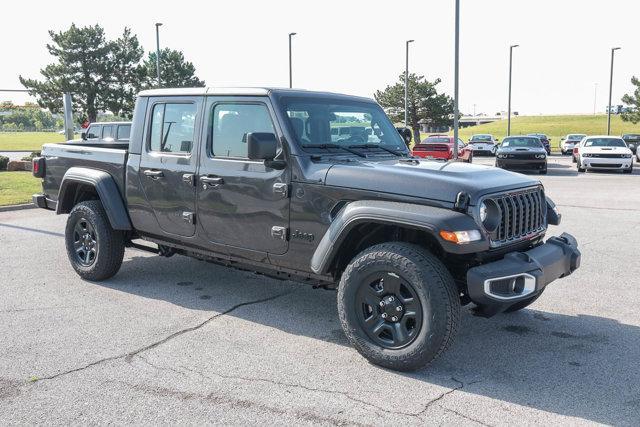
point(211, 181)
point(155, 174)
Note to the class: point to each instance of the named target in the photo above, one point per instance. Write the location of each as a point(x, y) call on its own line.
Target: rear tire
point(427, 306)
point(95, 249)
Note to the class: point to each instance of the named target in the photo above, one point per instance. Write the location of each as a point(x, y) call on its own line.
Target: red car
point(440, 147)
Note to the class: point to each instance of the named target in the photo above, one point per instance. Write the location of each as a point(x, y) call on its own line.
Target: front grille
point(523, 214)
point(607, 156)
point(605, 165)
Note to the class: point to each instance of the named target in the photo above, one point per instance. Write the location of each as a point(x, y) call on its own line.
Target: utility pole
point(509, 106)
point(610, 91)
point(456, 79)
point(595, 97)
point(158, 25)
point(290, 66)
point(406, 84)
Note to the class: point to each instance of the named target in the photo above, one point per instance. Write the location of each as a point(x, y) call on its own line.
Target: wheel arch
point(81, 184)
point(362, 224)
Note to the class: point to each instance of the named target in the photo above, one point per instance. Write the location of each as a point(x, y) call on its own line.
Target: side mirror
point(261, 146)
point(83, 135)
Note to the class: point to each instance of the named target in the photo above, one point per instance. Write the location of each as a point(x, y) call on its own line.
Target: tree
point(174, 70)
point(424, 103)
point(633, 101)
point(127, 75)
point(99, 73)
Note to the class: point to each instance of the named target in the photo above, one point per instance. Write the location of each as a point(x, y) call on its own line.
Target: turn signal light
point(461, 237)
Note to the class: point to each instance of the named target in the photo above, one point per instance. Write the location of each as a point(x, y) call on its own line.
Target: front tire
point(398, 306)
point(95, 250)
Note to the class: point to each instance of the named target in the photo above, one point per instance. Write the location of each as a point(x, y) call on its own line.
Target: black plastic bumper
point(41, 201)
point(496, 286)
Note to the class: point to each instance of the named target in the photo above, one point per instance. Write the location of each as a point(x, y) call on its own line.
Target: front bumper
point(606, 163)
point(522, 164)
point(496, 286)
point(41, 201)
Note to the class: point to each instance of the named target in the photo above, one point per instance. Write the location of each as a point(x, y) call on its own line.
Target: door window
point(93, 132)
point(107, 132)
point(232, 123)
point(172, 128)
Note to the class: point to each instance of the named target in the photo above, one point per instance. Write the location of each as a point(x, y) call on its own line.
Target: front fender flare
point(430, 219)
point(106, 188)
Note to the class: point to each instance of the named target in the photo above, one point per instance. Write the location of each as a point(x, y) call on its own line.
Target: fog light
point(461, 237)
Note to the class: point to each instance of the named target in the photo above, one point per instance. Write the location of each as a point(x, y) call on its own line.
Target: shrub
point(31, 156)
point(4, 161)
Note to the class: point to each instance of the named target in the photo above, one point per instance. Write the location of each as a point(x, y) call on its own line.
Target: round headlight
point(483, 211)
point(490, 215)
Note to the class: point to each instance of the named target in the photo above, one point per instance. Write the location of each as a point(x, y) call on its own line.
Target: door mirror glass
point(83, 135)
point(261, 146)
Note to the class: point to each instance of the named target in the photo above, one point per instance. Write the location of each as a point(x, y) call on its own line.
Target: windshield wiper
point(335, 146)
point(388, 150)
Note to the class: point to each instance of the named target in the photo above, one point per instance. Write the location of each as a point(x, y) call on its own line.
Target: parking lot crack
point(128, 356)
point(334, 392)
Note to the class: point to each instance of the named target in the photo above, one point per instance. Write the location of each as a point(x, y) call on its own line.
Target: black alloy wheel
point(389, 310)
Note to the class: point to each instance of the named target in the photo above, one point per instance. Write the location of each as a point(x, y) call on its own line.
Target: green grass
point(17, 187)
point(27, 141)
point(554, 127)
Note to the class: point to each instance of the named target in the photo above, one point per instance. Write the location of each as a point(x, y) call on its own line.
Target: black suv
point(258, 179)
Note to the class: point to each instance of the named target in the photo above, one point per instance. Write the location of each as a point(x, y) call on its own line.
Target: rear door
point(168, 162)
point(241, 203)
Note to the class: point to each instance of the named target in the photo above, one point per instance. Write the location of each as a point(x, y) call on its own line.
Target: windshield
point(575, 137)
point(604, 142)
point(521, 142)
point(481, 138)
point(317, 122)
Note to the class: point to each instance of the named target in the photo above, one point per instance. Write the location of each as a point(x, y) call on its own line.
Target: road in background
point(183, 341)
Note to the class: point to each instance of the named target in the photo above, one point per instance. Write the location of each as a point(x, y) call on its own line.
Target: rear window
point(631, 137)
point(436, 140)
point(575, 137)
point(481, 138)
point(123, 132)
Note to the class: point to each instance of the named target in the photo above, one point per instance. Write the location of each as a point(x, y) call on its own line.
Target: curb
point(17, 207)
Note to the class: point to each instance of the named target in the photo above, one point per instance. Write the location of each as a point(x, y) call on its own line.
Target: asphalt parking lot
point(182, 341)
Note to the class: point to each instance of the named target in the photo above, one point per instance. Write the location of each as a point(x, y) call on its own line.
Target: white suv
point(604, 152)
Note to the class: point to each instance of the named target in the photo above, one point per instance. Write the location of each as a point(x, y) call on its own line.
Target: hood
point(611, 150)
point(521, 150)
point(428, 179)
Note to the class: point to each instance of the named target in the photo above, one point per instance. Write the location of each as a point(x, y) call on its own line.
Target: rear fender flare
point(430, 219)
point(106, 188)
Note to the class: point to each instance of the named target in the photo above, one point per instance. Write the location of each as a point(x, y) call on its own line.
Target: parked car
point(546, 141)
point(568, 142)
point(604, 152)
point(249, 178)
point(522, 153)
point(483, 144)
point(107, 133)
point(632, 140)
point(440, 147)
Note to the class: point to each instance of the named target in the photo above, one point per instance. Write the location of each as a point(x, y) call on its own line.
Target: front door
point(168, 162)
point(241, 203)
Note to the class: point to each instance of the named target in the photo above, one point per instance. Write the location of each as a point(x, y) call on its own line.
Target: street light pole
point(158, 25)
point(509, 104)
point(610, 90)
point(290, 66)
point(406, 83)
point(456, 78)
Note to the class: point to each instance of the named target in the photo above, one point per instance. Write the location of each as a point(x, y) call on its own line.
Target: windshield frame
point(351, 104)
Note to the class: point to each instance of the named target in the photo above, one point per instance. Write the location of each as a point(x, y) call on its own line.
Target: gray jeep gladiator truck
point(251, 179)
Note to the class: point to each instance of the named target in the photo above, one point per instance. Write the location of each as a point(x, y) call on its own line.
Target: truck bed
point(111, 158)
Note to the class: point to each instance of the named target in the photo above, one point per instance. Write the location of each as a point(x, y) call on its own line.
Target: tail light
point(38, 167)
